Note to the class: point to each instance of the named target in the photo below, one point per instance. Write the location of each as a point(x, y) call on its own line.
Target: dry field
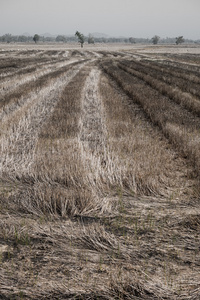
point(100, 172)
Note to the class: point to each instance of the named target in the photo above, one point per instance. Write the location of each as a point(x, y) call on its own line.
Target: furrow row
point(178, 125)
point(178, 95)
point(12, 101)
point(19, 137)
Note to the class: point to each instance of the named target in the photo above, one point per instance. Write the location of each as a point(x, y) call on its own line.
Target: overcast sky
point(137, 18)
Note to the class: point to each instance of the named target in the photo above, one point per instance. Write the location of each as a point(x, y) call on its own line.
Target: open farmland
point(100, 173)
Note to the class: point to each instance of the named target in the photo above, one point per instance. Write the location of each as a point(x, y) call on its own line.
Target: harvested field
point(100, 173)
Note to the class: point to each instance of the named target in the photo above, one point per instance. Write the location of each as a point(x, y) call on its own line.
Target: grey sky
point(137, 18)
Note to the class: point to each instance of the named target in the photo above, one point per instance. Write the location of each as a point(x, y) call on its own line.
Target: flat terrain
point(99, 172)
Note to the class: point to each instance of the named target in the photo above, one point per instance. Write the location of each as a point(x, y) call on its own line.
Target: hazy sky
point(137, 18)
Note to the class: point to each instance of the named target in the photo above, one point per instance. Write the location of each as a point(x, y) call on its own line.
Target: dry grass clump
point(191, 221)
point(53, 199)
point(95, 237)
point(134, 288)
point(194, 295)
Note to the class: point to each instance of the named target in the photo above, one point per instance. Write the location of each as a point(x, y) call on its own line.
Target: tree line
point(90, 39)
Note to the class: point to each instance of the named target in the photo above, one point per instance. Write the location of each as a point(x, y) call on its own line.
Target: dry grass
point(181, 95)
point(148, 162)
point(62, 185)
point(20, 126)
point(24, 90)
point(97, 201)
point(178, 125)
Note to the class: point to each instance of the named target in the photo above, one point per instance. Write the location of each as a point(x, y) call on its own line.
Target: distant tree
point(22, 38)
point(90, 39)
point(61, 38)
point(7, 38)
point(80, 37)
point(179, 40)
point(36, 38)
point(49, 39)
point(131, 40)
point(155, 39)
